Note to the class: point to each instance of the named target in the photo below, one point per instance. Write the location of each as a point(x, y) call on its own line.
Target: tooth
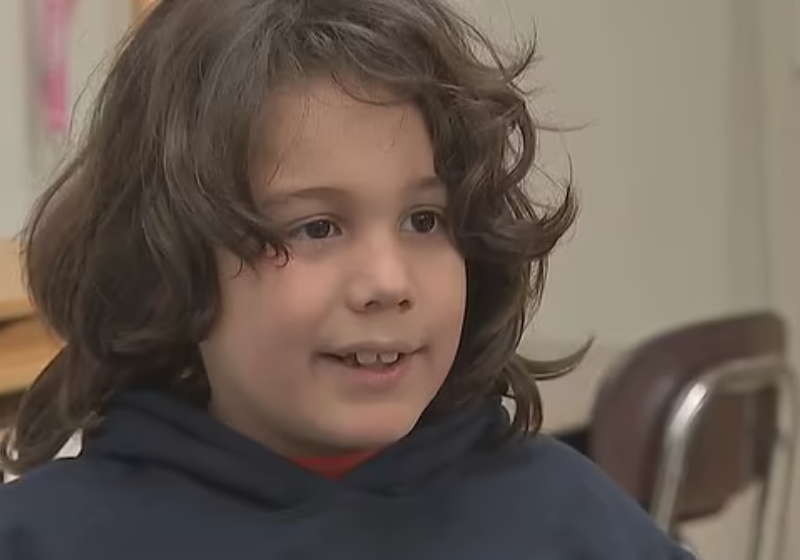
point(389, 357)
point(366, 358)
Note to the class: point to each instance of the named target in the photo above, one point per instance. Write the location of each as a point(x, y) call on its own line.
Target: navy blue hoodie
point(161, 480)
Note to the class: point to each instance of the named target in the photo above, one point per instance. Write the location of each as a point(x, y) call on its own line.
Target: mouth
point(370, 360)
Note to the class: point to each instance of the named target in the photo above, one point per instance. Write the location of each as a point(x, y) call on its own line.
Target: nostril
point(376, 304)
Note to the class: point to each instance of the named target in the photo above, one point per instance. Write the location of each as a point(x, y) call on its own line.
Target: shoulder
point(52, 512)
point(573, 480)
point(574, 499)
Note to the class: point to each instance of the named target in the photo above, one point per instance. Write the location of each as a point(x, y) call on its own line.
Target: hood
point(151, 430)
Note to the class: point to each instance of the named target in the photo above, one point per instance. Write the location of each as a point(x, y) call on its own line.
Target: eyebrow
point(334, 193)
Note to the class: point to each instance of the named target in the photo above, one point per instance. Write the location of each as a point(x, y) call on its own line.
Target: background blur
point(688, 164)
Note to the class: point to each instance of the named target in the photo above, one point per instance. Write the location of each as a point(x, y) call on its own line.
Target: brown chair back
point(734, 439)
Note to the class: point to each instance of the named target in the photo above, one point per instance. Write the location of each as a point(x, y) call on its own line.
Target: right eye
point(315, 230)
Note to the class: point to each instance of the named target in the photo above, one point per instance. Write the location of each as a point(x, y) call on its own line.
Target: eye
point(316, 230)
point(423, 221)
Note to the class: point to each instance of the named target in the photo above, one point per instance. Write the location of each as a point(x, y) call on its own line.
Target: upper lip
point(378, 347)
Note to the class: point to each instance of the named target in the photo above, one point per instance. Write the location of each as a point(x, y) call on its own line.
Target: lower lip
point(375, 378)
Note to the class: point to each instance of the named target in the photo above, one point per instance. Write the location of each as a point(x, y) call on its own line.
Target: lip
point(374, 346)
point(372, 379)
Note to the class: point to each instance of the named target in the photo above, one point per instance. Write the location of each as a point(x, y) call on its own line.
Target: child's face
point(373, 274)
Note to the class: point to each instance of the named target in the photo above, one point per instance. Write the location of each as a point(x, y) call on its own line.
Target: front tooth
point(366, 358)
point(389, 357)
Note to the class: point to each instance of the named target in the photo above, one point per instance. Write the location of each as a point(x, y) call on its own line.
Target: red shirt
point(335, 466)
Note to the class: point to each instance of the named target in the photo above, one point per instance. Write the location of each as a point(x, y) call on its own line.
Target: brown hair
point(120, 250)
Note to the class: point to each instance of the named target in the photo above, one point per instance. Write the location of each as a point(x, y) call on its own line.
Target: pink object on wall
point(57, 15)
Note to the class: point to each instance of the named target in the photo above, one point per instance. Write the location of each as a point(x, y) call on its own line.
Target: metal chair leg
point(678, 435)
point(789, 388)
point(680, 429)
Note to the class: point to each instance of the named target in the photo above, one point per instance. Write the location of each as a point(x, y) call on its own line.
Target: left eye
point(315, 230)
point(423, 221)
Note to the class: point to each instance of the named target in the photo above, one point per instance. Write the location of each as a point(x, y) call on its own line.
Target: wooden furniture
point(14, 302)
point(25, 344)
point(25, 349)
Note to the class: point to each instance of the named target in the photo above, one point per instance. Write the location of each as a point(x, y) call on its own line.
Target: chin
point(374, 431)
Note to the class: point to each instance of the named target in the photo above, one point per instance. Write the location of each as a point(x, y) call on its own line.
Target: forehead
point(317, 132)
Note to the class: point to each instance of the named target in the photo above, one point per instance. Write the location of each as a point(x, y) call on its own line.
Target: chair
point(693, 417)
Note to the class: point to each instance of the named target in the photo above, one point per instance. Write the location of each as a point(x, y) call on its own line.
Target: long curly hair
point(120, 249)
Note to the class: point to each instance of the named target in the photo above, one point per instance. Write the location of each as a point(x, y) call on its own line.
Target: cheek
point(448, 278)
point(445, 285)
point(265, 324)
point(299, 296)
point(275, 307)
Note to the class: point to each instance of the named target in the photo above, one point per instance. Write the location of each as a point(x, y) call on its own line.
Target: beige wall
point(26, 156)
point(667, 167)
point(779, 55)
point(14, 153)
point(689, 171)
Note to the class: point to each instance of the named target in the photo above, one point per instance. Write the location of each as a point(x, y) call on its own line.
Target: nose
point(380, 277)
